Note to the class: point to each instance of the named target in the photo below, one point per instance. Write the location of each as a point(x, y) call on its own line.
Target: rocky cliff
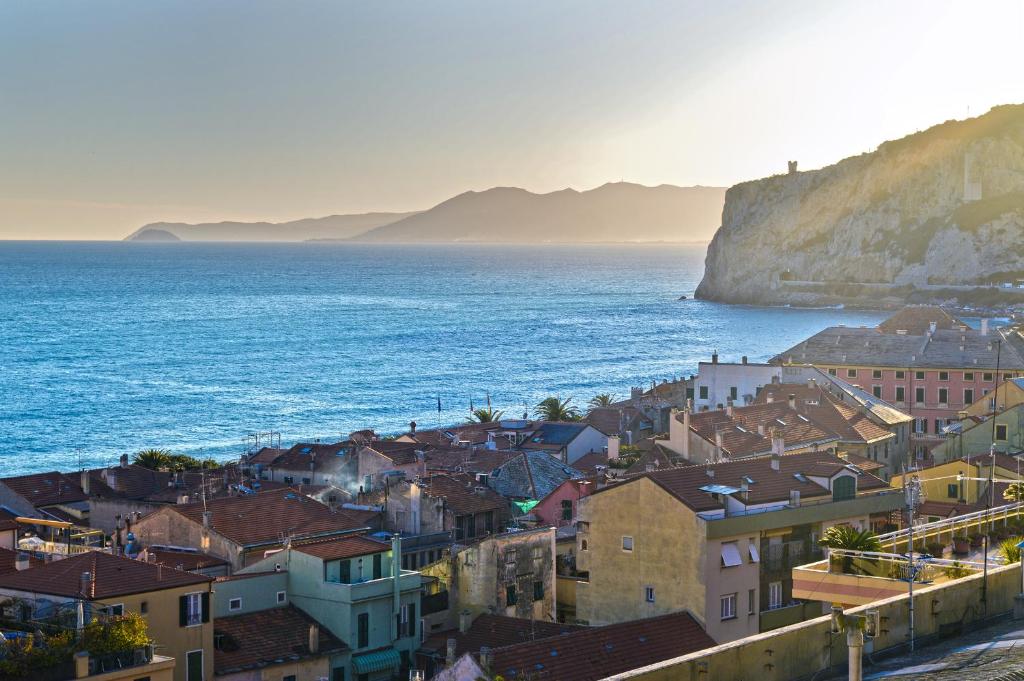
point(934, 211)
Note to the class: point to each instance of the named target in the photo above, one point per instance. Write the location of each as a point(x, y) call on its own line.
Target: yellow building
point(160, 668)
point(719, 541)
point(1007, 395)
point(175, 604)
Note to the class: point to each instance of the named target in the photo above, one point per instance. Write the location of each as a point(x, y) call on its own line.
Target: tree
point(849, 538)
point(153, 459)
point(556, 409)
point(486, 415)
point(599, 401)
point(1014, 492)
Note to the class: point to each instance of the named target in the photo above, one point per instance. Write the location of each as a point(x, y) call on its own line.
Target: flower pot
point(961, 546)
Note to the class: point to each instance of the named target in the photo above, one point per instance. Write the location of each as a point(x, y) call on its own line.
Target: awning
point(376, 661)
point(731, 555)
point(525, 506)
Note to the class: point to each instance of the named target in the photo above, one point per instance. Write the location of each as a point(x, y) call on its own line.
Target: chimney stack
point(714, 357)
point(728, 408)
point(21, 562)
point(465, 619)
point(84, 483)
point(449, 658)
point(124, 461)
point(613, 447)
point(792, 401)
point(686, 430)
point(207, 519)
point(87, 584)
point(743, 359)
point(412, 427)
point(314, 638)
point(718, 445)
point(984, 327)
point(485, 657)
point(931, 327)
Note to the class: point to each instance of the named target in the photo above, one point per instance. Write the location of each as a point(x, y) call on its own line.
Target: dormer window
point(844, 487)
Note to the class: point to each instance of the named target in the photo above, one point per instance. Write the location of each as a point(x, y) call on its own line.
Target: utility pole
point(912, 490)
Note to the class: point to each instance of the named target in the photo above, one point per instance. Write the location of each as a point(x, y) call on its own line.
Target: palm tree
point(849, 538)
point(486, 415)
point(599, 401)
point(153, 459)
point(1009, 551)
point(555, 409)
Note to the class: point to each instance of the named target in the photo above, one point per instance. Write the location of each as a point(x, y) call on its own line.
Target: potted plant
point(976, 540)
point(961, 546)
point(935, 549)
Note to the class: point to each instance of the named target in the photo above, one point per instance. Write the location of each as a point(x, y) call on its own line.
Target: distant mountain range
point(614, 212)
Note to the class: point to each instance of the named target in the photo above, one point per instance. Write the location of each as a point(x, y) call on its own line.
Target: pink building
point(559, 508)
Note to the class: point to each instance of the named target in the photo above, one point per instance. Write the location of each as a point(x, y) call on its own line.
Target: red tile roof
point(740, 434)
point(826, 411)
point(111, 576)
point(496, 631)
point(599, 652)
point(269, 516)
point(268, 637)
point(8, 558)
point(46, 489)
point(7, 521)
point(463, 494)
point(342, 547)
point(916, 320)
point(183, 560)
point(128, 482)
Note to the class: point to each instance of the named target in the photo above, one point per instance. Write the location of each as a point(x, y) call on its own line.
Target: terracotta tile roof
point(614, 420)
point(127, 482)
point(400, 453)
point(268, 516)
point(111, 576)
point(267, 637)
point(467, 460)
point(8, 558)
point(916, 320)
point(342, 547)
point(599, 652)
point(497, 631)
point(861, 462)
point(819, 405)
point(182, 560)
point(588, 463)
point(7, 521)
point(740, 434)
point(266, 455)
point(463, 494)
point(657, 457)
point(46, 489)
point(302, 454)
point(769, 485)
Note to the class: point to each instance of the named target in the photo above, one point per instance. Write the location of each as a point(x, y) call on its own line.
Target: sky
point(115, 114)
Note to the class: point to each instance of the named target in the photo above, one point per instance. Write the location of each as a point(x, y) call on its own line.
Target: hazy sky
point(113, 114)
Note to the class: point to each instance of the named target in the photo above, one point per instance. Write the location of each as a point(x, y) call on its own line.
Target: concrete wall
point(590, 440)
point(668, 554)
point(718, 378)
point(257, 593)
point(549, 510)
point(803, 650)
point(303, 670)
point(166, 526)
point(103, 512)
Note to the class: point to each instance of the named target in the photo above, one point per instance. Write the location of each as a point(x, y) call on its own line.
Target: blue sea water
point(106, 348)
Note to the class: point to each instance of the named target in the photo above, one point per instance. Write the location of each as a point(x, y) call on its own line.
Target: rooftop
point(531, 475)
point(495, 631)
point(267, 637)
point(8, 558)
point(111, 576)
point(747, 431)
point(463, 494)
point(182, 560)
point(826, 411)
point(45, 489)
point(342, 547)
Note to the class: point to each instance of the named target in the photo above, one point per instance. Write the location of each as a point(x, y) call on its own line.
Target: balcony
point(372, 589)
point(816, 511)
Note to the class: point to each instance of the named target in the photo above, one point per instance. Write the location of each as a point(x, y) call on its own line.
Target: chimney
point(776, 461)
point(86, 584)
point(82, 664)
point(718, 445)
point(769, 398)
point(412, 427)
point(183, 498)
point(931, 327)
point(613, 448)
point(449, 657)
point(21, 562)
point(110, 475)
point(984, 327)
point(485, 657)
point(743, 360)
point(314, 638)
point(714, 357)
point(686, 431)
point(84, 483)
point(207, 519)
point(728, 408)
point(760, 429)
point(124, 461)
point(744, 491)
point(792, 401)
point(811, 383)
point(465, 619)
point(778, 444)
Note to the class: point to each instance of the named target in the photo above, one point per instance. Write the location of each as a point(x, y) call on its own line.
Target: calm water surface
point(110, 347)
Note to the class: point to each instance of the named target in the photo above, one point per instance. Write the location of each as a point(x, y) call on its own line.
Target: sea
point(110, 347)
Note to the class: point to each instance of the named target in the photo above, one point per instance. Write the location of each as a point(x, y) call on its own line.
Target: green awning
point(525, 506)
point(376, 661)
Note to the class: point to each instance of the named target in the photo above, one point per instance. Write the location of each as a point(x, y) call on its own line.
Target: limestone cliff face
point(938, 208)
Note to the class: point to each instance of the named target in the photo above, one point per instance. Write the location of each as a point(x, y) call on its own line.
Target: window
point(703, 392)
point(649, 594)
point(288, 479)
point(952, 490)
point(750, 602)
point(900, 393)
point(774, 595)
point(235, 604)
point(338, 674)
point(968, 375)
point(919, 395)
point(901, 375)
point(728, 606)
point(583, 545)
point(307, 481)
point(731, 555)
point(733, 393)
point(844, 487)
point(752, 549)
point(1001, 432)
point(281, 595)
point(832, 372)
point(363, 626)
point(968, 396)
point(407, 620)
point(851, 373)
point(876, 390)
point(538, 591)
point(943, 395)
point(488, 522)
point(919, 375)
point(566, 509)
point(194, 609)
point(511, 597)
point(113, 610)
point(920, 426)
point(144, 607)
point(987, 377)
point(377, 561)
point(627, 543)
point(939, 424)
point(943, 375)
point(290, 677)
